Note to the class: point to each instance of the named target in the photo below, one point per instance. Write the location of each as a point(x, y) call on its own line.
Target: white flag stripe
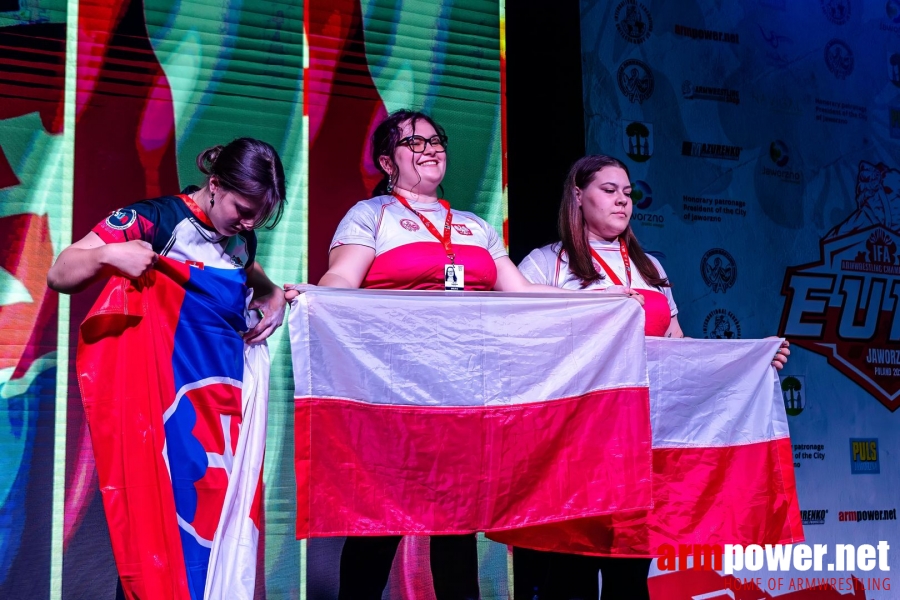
point(232, 560)
point(433, 349)
point(714, 393)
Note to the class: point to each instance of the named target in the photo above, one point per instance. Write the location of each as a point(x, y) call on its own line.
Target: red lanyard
point(612, 274)
point(448, 229)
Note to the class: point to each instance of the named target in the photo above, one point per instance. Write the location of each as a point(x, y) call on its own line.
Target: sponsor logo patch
point(864, 456)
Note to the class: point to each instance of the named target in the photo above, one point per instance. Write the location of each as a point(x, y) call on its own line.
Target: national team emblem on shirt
point(122, 218)
point(462, 229)
point(409, 225)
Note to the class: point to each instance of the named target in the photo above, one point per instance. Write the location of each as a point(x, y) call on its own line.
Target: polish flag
point(722, 464)
point(448, 413)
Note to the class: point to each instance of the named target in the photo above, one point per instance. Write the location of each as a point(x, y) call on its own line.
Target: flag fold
point(176, 405)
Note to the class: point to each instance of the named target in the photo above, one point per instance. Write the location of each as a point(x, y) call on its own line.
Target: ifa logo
point(845, 305)
point(202, 427)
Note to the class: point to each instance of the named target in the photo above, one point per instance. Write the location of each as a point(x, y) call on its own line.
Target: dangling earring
point(212, 199)
point(390, 185)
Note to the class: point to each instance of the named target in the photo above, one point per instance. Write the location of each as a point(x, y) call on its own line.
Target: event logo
point(845, 305)
point(892, 10)
point(641, 194)
point(777, 46)
point(864, 456)
point(702, 150)
point(702, 92)
point(721, 324)
point(635, 80)
point(637, 137)
point(839, 58)
point(894, 69)
point(707, 34)
point(409, 225)
point(642, 198)
point(122, 218)
point(813, 517)
point(780, 155)
point(836, 11)
point(858, 516)
point(778, 152)
point(794, 395)
point(718, 269)
point(633, 21)
point(462, 229)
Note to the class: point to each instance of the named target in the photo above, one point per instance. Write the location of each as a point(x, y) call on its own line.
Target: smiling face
point(423, 172)
point(606, 203)
point(231, 213)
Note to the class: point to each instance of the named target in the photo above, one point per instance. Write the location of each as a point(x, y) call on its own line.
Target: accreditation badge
point(454, 278)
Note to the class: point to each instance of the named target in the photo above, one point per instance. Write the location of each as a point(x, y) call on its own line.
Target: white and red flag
point(442, 413)
point(527, 417)
point(722, 463)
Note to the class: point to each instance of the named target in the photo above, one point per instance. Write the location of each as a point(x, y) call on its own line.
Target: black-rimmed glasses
point(416, 143)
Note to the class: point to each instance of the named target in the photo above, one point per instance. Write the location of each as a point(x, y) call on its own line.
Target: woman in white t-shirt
point(407, 238)
point(599, 251)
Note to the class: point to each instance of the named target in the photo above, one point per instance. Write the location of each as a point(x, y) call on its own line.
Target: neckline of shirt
point(604, 245)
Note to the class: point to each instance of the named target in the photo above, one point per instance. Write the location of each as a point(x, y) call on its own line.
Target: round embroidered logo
point(409, 225)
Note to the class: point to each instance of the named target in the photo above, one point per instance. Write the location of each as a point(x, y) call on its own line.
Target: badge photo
point(454, 278)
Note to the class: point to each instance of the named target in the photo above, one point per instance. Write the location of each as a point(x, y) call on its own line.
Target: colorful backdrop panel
point(761, 138)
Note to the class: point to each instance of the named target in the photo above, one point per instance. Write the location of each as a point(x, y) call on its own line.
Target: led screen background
point(105, 103)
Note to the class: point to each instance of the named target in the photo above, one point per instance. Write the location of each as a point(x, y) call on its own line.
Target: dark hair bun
point(206, 160)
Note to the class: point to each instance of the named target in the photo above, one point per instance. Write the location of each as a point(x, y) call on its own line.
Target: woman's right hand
point(131, 259)
point(621, 289)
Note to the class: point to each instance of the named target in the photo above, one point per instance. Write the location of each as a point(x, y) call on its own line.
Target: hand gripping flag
point(429, 413)
point(176, 404)
point(722, 463)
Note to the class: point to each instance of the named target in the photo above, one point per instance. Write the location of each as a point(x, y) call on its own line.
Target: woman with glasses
point(598, 251)
point(407, 238)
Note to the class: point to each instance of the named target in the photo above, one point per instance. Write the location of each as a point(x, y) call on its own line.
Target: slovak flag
point(177, 404)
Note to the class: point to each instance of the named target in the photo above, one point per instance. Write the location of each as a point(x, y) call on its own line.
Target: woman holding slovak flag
point(174, 376)
point(599, 251)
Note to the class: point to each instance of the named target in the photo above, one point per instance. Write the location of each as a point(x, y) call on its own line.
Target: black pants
point(366, 566)
point(556, 576)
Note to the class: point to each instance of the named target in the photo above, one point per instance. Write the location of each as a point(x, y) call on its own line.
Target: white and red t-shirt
point(548, 265)
point(408, 256)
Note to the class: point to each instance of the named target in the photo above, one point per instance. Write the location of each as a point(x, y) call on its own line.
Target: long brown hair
point(573, 232)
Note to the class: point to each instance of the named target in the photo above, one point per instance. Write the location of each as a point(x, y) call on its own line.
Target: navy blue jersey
point(176, 227)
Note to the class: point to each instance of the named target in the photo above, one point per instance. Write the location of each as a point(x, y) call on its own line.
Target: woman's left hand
point(272, 308)
point(781, 356)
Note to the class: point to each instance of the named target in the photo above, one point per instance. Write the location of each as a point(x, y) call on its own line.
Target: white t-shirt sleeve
point(494, 243)
point(357, 227)
point(534, 267)
point(667, 291)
